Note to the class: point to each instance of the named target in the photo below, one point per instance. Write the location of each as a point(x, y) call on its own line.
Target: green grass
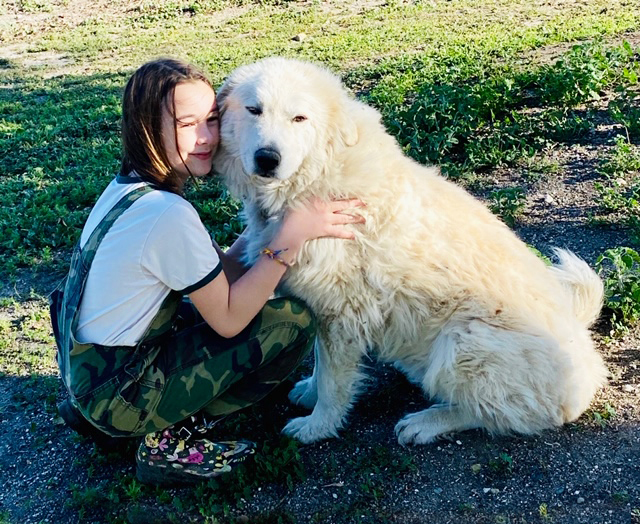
point(341, 36)
point(478, 114)
point(26, 343)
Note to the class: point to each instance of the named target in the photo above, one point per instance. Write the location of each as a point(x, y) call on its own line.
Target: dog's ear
point(345, 123)
point(224, 92)
point(349, 131)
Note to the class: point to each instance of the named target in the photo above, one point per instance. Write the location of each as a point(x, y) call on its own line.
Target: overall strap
point(66, 299)
point(91, 246)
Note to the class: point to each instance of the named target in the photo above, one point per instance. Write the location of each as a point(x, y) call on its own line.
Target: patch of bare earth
point(17, 27)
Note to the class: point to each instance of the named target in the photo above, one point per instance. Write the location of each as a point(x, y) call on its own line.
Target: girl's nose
point(204, 137)
point(205, 134)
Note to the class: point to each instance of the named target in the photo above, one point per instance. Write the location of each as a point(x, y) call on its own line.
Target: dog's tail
point(583, 284)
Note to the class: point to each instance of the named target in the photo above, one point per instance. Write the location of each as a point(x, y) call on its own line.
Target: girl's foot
point(166, 458)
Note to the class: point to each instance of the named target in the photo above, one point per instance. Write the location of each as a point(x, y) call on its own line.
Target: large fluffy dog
point(434, 282)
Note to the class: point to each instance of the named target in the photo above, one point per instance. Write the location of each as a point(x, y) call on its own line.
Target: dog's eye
point(254, 110)
point(299, 118)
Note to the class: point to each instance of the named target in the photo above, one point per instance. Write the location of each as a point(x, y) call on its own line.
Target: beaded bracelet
point(275, 255)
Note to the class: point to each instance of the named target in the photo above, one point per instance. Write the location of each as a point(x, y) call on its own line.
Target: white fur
point(433, 282)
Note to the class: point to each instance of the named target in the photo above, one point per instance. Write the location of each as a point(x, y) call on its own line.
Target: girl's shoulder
point(158, 199)
point(152, 207)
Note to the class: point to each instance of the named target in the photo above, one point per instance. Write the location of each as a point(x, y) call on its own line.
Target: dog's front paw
point(304, 393)
point(307, 429)
point(412, 430)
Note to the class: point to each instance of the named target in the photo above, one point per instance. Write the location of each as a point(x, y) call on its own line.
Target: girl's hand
point(320, 219)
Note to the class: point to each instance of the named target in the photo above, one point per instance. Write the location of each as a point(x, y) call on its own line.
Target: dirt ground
point(582, 473)
point(586, 472)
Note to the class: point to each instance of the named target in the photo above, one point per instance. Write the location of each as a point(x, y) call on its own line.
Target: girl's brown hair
point(145, 96)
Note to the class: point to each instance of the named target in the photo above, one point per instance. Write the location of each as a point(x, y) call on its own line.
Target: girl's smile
point(190, 128)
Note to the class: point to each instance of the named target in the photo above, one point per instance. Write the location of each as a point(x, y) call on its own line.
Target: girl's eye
point(254, 110)
point(213, 119)
point(299, 118)
point(186, 124)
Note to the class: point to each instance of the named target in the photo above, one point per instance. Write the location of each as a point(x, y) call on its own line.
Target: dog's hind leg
point(337, 377)
point(425, 426)
point(503, 380)
point(305, 392)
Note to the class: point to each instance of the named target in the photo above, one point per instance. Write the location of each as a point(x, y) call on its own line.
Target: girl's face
point(195, 125)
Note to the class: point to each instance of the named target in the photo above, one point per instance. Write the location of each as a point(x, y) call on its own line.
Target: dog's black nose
point(267, 159)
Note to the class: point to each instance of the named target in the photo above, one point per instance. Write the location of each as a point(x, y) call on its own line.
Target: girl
point(137, 358)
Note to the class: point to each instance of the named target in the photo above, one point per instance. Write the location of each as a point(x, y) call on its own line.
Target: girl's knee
point(285, 326)
point(294, 310)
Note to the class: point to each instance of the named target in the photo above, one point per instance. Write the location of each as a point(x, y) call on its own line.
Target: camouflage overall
point(181, 366)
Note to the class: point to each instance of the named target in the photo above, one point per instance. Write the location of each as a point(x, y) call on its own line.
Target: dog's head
point(281, 119)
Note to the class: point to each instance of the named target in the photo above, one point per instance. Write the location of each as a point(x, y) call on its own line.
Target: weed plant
point(623, 159)
point(482, 115)
point(502, 464)
point(619, 190)
point(625, 110)
point(603, 415)
point(581, 75)
point(507, 203)
point(620, 270)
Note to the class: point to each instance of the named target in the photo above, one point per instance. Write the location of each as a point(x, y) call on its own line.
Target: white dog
point(433, 282)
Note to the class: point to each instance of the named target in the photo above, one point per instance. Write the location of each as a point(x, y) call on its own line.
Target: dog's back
point(427, 238)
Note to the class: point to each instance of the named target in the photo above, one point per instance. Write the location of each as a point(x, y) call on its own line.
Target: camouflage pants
point(192, 368)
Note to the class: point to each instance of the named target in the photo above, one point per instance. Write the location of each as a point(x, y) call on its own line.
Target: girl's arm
point(229, 308)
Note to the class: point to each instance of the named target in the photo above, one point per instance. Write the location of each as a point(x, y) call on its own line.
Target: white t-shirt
point(156, 245)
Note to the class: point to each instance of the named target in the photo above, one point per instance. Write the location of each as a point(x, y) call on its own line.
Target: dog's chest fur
point(361, 281)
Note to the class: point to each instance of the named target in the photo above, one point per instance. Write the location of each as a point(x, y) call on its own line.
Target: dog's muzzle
point(267, 160)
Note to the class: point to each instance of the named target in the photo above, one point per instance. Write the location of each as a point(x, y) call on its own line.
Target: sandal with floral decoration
point(171, 457)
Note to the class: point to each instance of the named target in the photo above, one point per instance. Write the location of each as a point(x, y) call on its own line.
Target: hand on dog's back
point(318, 219)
